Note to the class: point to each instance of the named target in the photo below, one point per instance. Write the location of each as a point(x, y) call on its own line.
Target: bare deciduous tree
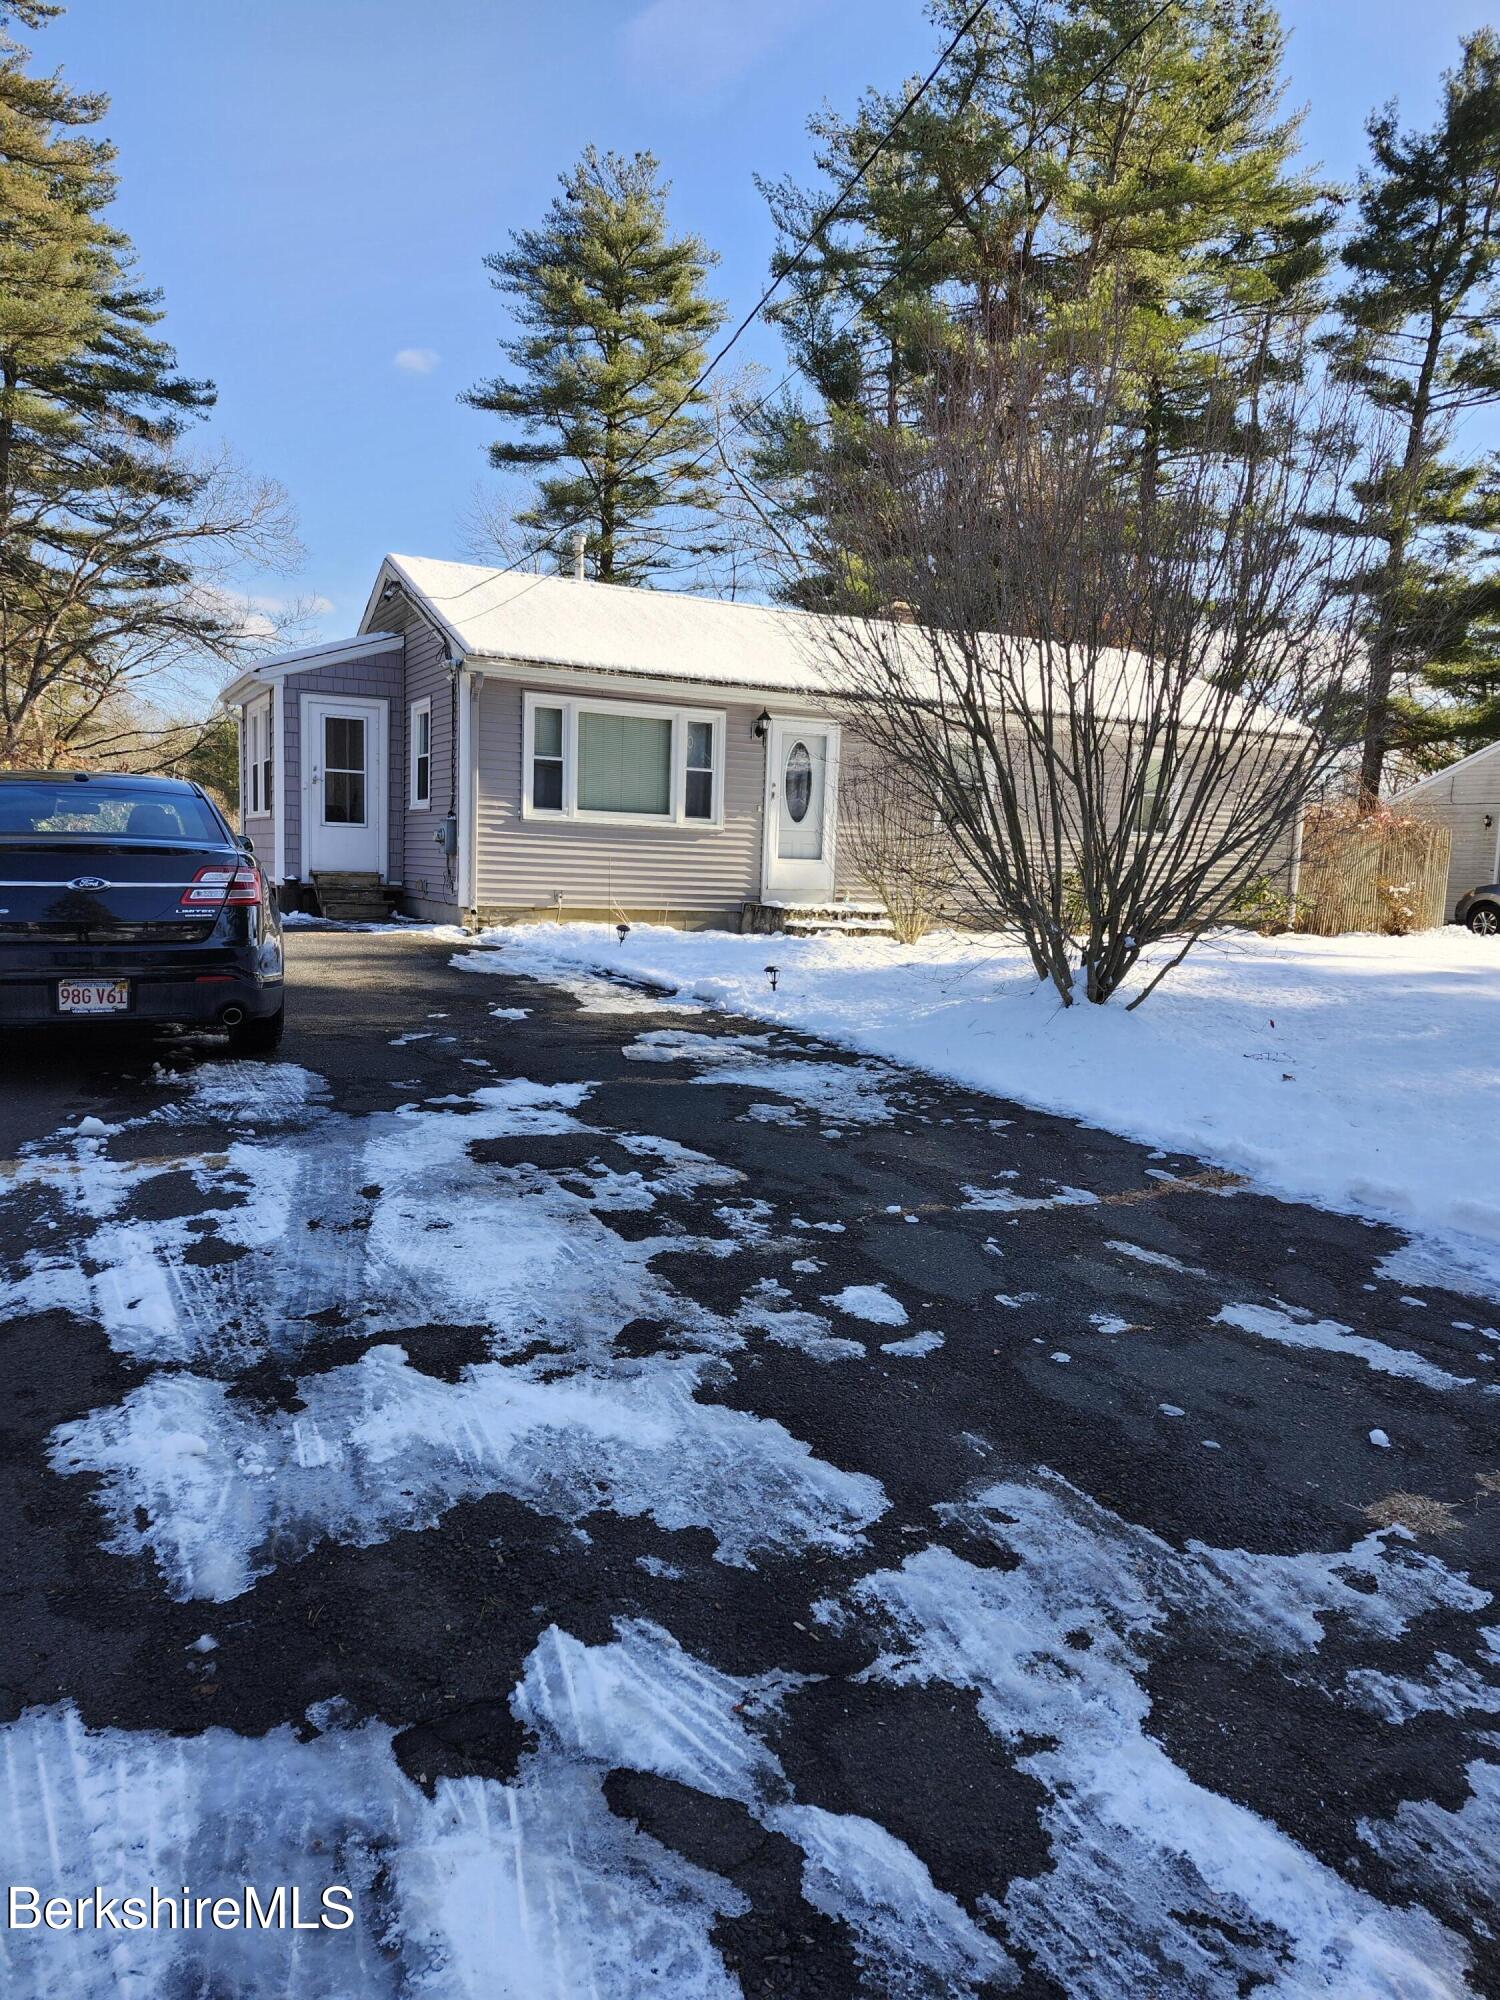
point(1118, 701)
point(120, 592)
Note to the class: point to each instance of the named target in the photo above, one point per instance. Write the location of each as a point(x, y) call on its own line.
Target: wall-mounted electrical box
point(446, 835)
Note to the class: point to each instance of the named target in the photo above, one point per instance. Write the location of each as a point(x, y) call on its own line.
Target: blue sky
point(313, 183)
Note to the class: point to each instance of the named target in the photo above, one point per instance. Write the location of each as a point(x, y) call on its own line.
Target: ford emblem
point(88, 882)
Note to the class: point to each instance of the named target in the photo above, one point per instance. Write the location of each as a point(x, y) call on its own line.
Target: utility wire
point(1013, 159)
point(806, 242)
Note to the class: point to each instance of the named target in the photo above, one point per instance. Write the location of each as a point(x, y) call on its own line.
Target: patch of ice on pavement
point(1448, 1688)
point(1380, 1440)
point(645, 1703)
point(1111, 1323)
point(598, 994)
point(1290, 1329)
point(1149, 1868)
point(908, 1934)
point(1451, 1856)
point(809, 1332)
point(388, 1220)
point(914, 1343)
point(1158, 1258)
point(1004, 1201)
point(1014, 1301)
point(246, 1093)
point(852, 1093)
point(658, 1566)
point(510, 1013)
point(1171, 1409)
point(219, 1495)
point(532, 1890)
point(1060, 1357)
point(868, 1302)
point(607, 996)
point(774, 1114)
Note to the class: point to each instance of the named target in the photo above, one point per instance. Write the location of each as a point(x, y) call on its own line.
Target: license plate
point(93, 996)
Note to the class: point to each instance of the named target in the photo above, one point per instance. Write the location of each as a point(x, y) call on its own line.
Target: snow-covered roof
point(553, 621)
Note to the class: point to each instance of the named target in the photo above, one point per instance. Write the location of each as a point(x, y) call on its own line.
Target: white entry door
point(343, 785)
point(801, 798)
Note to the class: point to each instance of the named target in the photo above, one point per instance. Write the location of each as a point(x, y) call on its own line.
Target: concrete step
point(349, 896)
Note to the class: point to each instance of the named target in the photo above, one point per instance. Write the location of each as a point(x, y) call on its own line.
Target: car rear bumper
point(197, 994)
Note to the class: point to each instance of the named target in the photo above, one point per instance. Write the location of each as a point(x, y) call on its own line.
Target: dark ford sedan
point(130, 899)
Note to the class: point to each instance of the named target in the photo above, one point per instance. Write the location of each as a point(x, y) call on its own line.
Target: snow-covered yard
point(1359, 1072)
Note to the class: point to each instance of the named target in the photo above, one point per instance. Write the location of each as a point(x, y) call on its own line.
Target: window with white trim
point(419, 741)
point(623, 761)
point(258, 757)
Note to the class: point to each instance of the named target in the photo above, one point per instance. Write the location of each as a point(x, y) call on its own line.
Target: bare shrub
point(1120, 690)
point(892, 831)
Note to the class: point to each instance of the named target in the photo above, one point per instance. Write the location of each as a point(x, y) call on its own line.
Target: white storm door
point(801, 796)
point(343, 785)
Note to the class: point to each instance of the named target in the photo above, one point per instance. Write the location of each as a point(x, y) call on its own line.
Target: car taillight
point(218, 886)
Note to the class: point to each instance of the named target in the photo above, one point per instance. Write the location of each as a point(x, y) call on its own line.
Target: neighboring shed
point(1465, 797)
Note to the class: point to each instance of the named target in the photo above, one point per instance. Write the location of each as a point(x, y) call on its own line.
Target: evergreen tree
point(1165, 181)
point(1420, 338)
point(107, 535)
point(613, 319)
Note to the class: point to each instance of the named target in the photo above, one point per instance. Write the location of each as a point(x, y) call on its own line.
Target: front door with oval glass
point(343, 792)
point(801, 797)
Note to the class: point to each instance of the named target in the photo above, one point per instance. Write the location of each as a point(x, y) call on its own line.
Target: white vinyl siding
point(419, 738)
point(625, 762)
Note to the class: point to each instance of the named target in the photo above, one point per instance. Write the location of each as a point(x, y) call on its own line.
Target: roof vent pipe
point(579, 541)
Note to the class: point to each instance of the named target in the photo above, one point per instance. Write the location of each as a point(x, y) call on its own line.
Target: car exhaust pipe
point(231, 1017)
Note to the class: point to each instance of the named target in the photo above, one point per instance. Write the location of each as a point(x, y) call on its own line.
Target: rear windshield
point(104, 809)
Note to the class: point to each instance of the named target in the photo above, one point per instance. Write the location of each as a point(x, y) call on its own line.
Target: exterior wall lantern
point(762, 724)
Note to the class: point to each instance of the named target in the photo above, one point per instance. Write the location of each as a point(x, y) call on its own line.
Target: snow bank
point(1355, 1072)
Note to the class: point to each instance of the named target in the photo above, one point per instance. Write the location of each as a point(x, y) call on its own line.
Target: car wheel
point(1484, 920)
point(258, 1037)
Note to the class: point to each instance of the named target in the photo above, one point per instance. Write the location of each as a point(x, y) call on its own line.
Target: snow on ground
point(1301, 1329)
point(1149, 1868)
point(1334, 1070)
point(868, 1302)
point(531, 1890)
point(211, 1489)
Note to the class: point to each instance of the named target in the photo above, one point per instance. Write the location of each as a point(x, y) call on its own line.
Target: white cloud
point(416, 360)
point(701, 44)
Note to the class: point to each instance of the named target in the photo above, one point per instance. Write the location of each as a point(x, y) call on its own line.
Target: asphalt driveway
point(655, 1504)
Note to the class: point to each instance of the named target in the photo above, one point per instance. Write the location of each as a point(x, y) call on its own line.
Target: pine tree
point(1167, 182)
point(104, 527)
point(1420, 338)
point(613, 319)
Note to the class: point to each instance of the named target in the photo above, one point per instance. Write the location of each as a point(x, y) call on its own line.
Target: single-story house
point(497, 746)
point(1465, 797)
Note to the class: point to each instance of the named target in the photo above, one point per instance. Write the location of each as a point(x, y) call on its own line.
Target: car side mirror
point(244, 841)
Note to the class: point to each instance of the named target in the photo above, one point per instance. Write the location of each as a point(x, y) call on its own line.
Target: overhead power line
point(1012, 160)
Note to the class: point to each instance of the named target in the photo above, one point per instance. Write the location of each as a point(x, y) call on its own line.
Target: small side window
point(420, 739)
point(547, 760)
point(698, 774)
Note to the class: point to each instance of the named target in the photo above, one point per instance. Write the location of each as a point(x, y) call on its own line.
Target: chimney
point(579, 541)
